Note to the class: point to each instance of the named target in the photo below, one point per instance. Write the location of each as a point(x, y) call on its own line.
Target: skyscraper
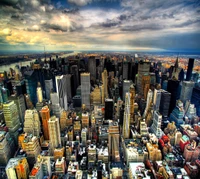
point(55, 106)
point(32, 122)
point(132, 101)
point(12, 119)
point(45, 115)
point(196, 99)
point(109, 109)
point(48, 88)
point(149, 101)
point(54, 131)
point(173, 88)
point(105, 83)
point(156, 126)
point(190, 68)
point(17, 168)
point(164, 103)
point(61, 91)
point(126, 122)
point(85, 89)
point(126, 88)
point(125, 71)
point(39, 93)
point(92, 67)
point(143, 69)
point(156, 99)
point(186, 91)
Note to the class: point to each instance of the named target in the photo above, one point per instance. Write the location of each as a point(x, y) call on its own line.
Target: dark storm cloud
point(55, 27)
point(8, 2)
point(142, 27)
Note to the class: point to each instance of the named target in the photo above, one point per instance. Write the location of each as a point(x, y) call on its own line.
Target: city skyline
point(154, 25)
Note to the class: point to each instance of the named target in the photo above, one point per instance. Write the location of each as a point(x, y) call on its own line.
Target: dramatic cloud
point(80, 2)
point(100, 25)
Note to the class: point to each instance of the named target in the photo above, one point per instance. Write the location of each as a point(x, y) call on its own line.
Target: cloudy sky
point(146, 25)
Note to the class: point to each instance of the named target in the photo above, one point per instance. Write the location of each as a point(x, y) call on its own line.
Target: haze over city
point(114, 25)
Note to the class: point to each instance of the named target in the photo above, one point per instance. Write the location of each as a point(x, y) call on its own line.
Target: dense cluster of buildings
point(96, 116)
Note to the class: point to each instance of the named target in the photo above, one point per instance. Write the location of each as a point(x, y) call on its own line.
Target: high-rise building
point(96, 96)
point(45, 115)
point(46, 164)
point(60, 165)
point(85, 89)
point(190, 68)
point(149, 101)
point(186, 91)
point(178, 114)
point(126, 88)
point(31, 146)
point(12, 119)
point(126, 122)
point(48, 88)
point(92, 152)
point(68, 79)
point(39, 93)
point(92, 67)
point(164, 103)
point(7, 147)
point(21, 105)
point(54, 131)
point(132, 101)
point(55, 106)
point(74, 71)
point(61, 84)
point(156, 126)
point(125, 70)
point(32, 122)
point(109, 109)
point(143, 69)
point(173, 88)
point(196, 99)
point(113, 141)
point(17, 168)
point(85, 119)
point(63, 120)
point(146, 79)
point(105, 83)
point(156, 99)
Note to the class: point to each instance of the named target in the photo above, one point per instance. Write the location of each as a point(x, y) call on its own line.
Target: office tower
point(92, 67)
point(149, 101)
point(153, 79)
point(119, 105)
point(145, 85)
point(7, 147)
point(31, 146)
point(177, 114)
point(54, 131)
point(173, 87)
point(21, 106)
point(164, 103)
point(126, 122)
point(63, 120)
point(125, 71)
point(85, 119)
point(196, 99)
point(77, 101)
point(55, 106)
point(60, 165)
point(45, 115)
point(156, 99)
point(96, 96)
point(32, 122)
point(113, 141)
point(75, 76)
point(190, 68)
point(143, 69)
point(156, 126)
point(12, 119)
point(31, 85)
point(85, 89)
point(105, 83)
point(48, 88)
point(39, 93)
point(176, 70)
point(84, 136)
point(61, 91)
point(164, 84)
point(17, 168)
point(68, 79)
point(190, 112)
point(126, 87)
point(109, 109)
point(186, 91)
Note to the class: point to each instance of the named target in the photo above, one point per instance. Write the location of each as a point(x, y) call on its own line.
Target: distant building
point(85, 89)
